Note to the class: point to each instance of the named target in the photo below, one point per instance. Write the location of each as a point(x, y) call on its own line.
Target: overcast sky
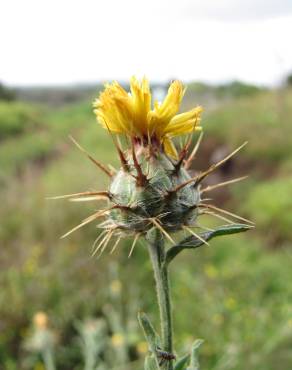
point(80, 41)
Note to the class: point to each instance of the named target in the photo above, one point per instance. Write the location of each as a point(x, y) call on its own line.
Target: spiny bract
point(154, 199)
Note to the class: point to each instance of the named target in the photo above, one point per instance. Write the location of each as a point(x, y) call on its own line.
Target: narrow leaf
point(151, 336)
point(150, 363)
point(193, 242)
point(194, 365)
point(181, 363)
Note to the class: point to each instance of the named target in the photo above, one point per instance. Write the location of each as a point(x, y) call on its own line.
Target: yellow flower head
point(132, 113)
point(41, 320)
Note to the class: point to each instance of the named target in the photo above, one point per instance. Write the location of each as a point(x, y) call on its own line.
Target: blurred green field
point(235, 294)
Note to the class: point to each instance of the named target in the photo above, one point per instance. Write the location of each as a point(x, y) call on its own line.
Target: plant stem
point(157, 254)
point(48, 359)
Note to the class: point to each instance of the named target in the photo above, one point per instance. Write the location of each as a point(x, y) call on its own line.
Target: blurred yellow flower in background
point(210, 271)
point(118, 340)
point(230, 303)
point(142, 347)
point(41, 320)
point(116, 286)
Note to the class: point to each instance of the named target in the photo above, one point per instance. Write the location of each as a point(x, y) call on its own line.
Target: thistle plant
point(153, 196)
point(42, 340)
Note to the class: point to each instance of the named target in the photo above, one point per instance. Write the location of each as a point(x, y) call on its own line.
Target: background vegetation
point(236, 294)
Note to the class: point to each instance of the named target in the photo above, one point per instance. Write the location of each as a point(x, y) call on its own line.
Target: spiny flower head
point(153, 189)
point(132, 114)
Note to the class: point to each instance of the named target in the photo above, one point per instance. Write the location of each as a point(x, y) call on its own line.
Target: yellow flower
point(117, 340)
point(40, 320)
point(230, 303)
point(211, 271)
point(116, 286)
point(132, 113)
point(142, 347)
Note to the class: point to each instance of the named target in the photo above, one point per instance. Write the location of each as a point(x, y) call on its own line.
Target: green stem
point(49, 359)
point(157, 254)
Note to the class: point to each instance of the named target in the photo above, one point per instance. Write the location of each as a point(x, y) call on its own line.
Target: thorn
point(226, 212)
point(197, 179)
point(98, 164)
point(102, 212)
point(183, 154)
point(112, 169)
point(104, 194)
point(212, 187)
point(206, 199)
point(141, 178)
point(109, 236)
point(157, 224)
point(83, 223)
point(115, 245)
point(100, 244)
point(123, 159)
point(97, 239)
point(194, 152)
point(87, 199)
point(133, 245)
point(87, 221)
point(196, 235)
point(213, 167)
point(218, 216)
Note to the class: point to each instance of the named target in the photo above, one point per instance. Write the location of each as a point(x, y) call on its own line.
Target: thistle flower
point(42, 339)
point(153, 187)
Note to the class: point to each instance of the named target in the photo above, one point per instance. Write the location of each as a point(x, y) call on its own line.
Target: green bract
point(157, 198)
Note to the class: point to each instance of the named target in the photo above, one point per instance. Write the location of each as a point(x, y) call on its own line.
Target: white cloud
point(62, 41)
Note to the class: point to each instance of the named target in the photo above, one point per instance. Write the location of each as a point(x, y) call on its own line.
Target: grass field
point(235, 294)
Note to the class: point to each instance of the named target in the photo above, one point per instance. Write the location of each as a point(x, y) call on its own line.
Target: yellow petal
point(113, 109)
point(141, 104)
point(169, 148)
point(161, 115)
point(184, 123)
point(131, 114)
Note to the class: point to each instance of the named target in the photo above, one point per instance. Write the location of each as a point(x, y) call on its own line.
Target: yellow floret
point(132, 114)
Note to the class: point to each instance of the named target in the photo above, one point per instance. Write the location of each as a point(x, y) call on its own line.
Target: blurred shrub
point(29, 140)
point(263, 121)
point(6, 93)
point(58, 96)
point(234, 89)
point(237, 89)
point(289, 80)
point(16, 118)
point(270, 204)
point(15, 154)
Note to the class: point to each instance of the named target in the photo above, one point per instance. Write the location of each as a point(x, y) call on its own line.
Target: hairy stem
point(48, 359)
point(157, 254)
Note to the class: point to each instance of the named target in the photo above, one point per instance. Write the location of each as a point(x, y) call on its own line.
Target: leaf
point(180, 365)
point(150, 363)
point(152, 338)
point(192, 242)
point(194, 365)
